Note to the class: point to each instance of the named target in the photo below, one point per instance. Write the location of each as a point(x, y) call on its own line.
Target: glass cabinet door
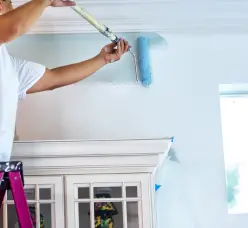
point(45, 199)
point(108, 201)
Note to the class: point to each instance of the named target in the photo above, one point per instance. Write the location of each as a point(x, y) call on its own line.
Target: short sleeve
point(28, 74)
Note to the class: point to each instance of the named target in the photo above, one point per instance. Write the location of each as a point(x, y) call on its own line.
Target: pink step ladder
point(11, 178)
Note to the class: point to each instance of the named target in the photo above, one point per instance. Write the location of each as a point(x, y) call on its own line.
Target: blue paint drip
point(143, 61)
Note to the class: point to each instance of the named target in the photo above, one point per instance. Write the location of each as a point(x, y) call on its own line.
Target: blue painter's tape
point(157, 187)
point(143, 61)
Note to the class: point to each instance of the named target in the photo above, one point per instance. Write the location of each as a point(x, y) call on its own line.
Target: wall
point(182, 102)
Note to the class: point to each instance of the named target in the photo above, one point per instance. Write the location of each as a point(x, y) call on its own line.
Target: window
point(234, 119)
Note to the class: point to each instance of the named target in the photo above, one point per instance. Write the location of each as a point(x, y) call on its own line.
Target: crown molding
point(167, 16)
point(60, 157)
point(128, 26)
point(89, 148)
point(78, 27)
point(115, 2)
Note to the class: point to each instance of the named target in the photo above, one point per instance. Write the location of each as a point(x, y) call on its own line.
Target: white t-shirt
point(16, 77)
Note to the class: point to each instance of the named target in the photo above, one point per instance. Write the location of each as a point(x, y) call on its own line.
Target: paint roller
point(141, 63)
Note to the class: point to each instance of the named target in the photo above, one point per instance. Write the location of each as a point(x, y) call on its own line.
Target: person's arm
point(18, 21)
point(73, 73)
point(67, 75)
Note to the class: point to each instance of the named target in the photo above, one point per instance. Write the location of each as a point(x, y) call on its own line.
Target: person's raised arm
point(73, 73)
point(18, 21)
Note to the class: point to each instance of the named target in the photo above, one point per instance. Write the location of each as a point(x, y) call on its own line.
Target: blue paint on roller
point(143, 61)
point(172, 139)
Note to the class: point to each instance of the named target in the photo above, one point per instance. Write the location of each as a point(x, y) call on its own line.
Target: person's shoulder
point(4, 51)
point(3, 47)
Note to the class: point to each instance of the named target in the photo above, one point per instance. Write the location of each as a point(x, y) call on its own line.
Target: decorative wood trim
point(79, 27)
point(61, 157)
point(90, 148)
point(70, 27)
point(221, 16)
point(111, 2)
point(39, 171)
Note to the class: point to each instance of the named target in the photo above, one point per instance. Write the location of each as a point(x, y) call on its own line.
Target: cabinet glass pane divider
point(76, 206)
point(9, 202)
point(140, 216)
point(53, 209)
point(95, 200)
point(124, 206)
point(92, 211)
point(37, 206)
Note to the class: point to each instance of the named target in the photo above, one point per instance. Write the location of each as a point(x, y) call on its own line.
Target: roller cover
point(143, 61)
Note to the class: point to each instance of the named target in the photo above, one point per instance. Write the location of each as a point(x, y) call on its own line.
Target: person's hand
point(112, 52)
point(61, 3)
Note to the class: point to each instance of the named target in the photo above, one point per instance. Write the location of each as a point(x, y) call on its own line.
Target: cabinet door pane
point(108, 201)
point(45, 200)
point(132, 214)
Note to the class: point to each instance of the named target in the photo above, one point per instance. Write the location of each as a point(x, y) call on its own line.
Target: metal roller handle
point(100, 27)
point(103, 29)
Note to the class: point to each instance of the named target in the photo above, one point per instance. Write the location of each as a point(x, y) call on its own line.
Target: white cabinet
point(82, 184)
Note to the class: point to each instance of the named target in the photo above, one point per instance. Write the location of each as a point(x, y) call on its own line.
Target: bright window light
point(234, 118)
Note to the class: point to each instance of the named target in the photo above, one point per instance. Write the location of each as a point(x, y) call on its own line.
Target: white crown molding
point(104, 2)
point(78, 27)
point(58, 157)
point(167, 16)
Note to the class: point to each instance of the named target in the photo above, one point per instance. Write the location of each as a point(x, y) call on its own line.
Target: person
point(20, 77)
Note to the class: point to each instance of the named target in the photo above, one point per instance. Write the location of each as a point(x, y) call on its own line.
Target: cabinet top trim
point(88, 156)
point(86, 148)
